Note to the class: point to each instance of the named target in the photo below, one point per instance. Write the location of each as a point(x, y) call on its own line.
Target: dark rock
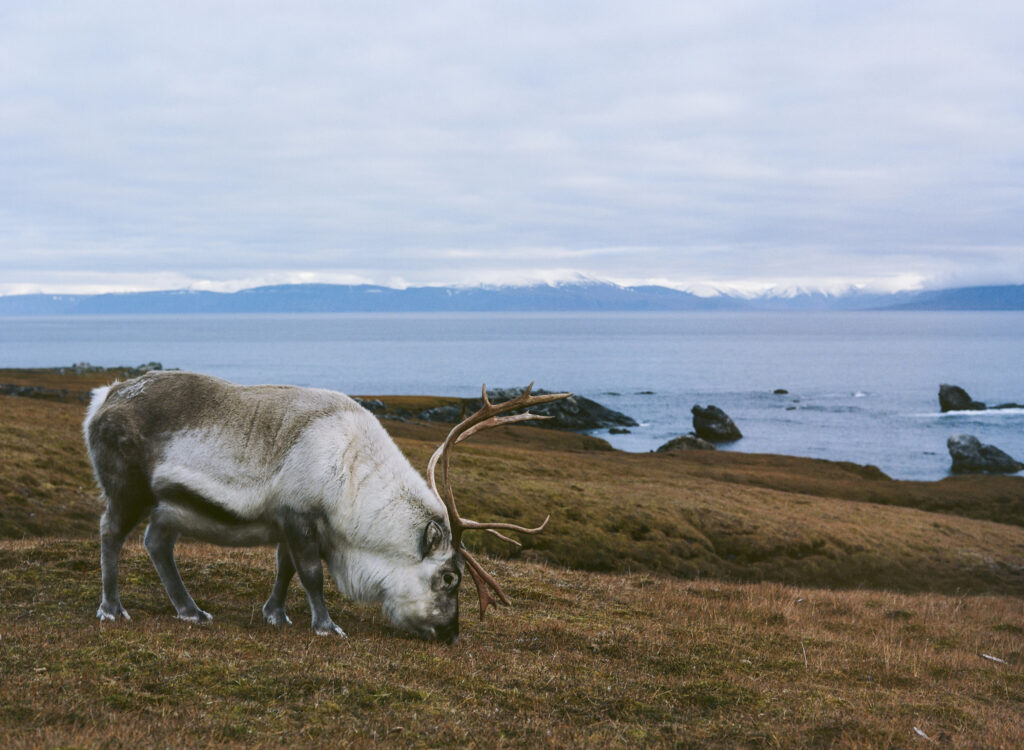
point(714, 425)
point(84, 368)
point(34, 391)
point(371, 404)
point(448, 414)
point(688, 442)
point(955, 398)
point(780, 391)
point(971, 456)
point(1010, 405)
point(573, 413)
point(618, 431)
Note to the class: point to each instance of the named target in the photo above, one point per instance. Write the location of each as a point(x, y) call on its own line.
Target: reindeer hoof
point(109, 613)
point(199, 617)
point(277, 618)
point(329, 629)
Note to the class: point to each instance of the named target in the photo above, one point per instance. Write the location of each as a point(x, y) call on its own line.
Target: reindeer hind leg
point(159, 541)
point(115, 524)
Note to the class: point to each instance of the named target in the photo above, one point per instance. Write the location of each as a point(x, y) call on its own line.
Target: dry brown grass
point(611, 511)
point(46, 485)
point(583, 660)
point(750, 602)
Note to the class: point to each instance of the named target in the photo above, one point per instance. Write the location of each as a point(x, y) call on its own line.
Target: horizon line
point(698, 289)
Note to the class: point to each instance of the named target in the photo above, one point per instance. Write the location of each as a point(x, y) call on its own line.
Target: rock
point(573, 413)
point(374, 405)
point(780, 391)
point(618, 431)
point(971, 456)
point(34, 391)
point(1009, 405)
point(449, 414)
point(714, 425)
point(688, 442)
point(121, 371)
point(955, 398)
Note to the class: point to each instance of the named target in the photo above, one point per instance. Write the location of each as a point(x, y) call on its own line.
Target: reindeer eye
point(432, 538)
point(450, 580)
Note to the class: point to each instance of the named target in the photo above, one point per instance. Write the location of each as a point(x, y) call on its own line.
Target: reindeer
point(308, 470)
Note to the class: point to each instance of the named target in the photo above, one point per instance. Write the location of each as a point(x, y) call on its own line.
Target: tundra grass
point(582, 660)
point(611, 511)
point(682, 600)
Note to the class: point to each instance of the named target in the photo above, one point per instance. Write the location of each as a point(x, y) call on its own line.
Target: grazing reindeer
point(308, 470)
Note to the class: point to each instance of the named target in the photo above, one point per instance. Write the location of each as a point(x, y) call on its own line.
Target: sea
point(860, 386)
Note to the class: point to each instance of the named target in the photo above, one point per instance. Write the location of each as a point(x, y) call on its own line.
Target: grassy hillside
point(676, 600)
point(728, 516)
point(582, 660)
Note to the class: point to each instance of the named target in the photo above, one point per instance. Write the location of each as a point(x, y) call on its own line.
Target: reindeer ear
point(432, 538)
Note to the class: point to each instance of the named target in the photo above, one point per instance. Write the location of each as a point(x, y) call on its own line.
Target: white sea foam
point(973, 414)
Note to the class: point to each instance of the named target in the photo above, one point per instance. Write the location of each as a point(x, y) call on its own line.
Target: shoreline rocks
point(687, 442)
point(971, 456)
point(84, 368)
point(714, 425)
point(575, 413)
point(38, 391)
point(79, 368)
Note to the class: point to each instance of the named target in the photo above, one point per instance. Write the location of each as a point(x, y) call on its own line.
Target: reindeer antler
point(483, 419)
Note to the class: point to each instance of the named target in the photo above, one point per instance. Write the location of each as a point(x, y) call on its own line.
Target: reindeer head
point(417, 577)
point(485, 418)
point(422, 595)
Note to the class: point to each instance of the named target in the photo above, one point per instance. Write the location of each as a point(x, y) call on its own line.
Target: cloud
point(732, 142)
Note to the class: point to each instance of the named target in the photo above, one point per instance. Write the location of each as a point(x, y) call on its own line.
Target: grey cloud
point(726, 140)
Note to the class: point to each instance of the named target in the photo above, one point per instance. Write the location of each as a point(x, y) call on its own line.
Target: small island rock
point(687, 442)
point(714, 425)
point(955, 398)
point(971, 456)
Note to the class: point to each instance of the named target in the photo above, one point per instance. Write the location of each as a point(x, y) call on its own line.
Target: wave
point(982, 414)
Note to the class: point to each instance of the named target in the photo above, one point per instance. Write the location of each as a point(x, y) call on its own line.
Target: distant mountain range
point(567, 297)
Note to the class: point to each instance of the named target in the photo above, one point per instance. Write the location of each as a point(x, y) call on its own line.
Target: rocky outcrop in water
point(688, 442)
point(971, 456)
point(714, 425)
point(575, 413)
point(955, 398)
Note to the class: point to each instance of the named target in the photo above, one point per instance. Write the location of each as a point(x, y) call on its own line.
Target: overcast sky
point(218, 145)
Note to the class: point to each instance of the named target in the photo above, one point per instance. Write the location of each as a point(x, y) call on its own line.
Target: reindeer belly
point(216, 528)
point(194, 515)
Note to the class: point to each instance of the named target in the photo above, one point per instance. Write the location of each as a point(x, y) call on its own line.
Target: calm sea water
point(862, 386)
